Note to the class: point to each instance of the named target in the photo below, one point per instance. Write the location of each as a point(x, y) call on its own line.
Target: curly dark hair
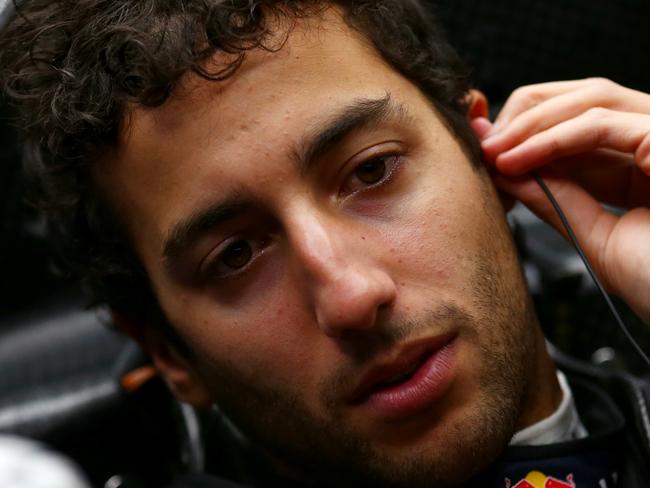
point(71, 67)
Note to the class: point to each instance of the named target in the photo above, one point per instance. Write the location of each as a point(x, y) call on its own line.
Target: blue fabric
point(592, 469)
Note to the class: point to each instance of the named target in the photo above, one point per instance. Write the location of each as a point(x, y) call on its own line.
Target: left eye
point(370, 173)
point(237, 255)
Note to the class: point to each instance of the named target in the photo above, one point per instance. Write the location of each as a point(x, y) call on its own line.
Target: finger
point(610, 176)
point(597, 128)
point(548, 113)
point(526, 97)
point(605, 93)
point(591, 223)
point(481, 126)
point(614, 246)
point(598, 159)
point(557, 109)
point(627, 268)
point(642, 155)
point(605, 174)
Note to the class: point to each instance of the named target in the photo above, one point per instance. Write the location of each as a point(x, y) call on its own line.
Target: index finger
point(527, 97)
point(596, 129)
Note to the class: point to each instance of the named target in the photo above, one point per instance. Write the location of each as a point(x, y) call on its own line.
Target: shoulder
point(605, 398)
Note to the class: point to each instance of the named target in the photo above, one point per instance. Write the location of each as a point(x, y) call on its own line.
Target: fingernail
point(489, 140)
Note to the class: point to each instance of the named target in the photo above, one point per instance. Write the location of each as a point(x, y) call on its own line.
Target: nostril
point(353, 303)
point(334, 317)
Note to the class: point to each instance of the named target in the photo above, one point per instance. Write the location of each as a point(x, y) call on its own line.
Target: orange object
point(133, 380)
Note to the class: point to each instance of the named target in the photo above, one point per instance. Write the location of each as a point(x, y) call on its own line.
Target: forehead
point(212, 137)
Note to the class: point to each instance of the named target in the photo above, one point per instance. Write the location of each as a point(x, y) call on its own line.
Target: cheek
point(271, 342)
point(435, 237)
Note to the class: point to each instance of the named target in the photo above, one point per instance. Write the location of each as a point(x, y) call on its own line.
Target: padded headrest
point(61, 377)
point(55, 368)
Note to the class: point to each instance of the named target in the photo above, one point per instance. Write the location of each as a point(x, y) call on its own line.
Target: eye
point(231, 260)
point(237, 255)
point(371, 173)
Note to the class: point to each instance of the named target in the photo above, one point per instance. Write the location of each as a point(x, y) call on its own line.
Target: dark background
point(510, 43)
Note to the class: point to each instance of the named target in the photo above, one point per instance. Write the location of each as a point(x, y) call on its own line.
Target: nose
point(347, 286)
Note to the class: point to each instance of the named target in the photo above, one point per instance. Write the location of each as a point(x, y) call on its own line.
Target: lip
point(426, 366)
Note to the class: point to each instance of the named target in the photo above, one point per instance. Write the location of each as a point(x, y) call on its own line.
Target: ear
point(477, 114)
point(478, 106)
point(177, 371)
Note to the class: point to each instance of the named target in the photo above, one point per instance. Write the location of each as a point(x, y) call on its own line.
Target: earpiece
point(590, 270)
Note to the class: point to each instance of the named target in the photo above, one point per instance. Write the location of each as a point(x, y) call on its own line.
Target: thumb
point(591, 223)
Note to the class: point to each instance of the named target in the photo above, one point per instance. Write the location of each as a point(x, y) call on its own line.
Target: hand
point(590, 141)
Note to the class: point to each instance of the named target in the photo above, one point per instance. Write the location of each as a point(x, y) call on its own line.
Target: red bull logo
point(536, 479)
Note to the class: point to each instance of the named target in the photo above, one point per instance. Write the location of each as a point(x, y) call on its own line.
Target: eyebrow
point(359, 114)
point(184, 234)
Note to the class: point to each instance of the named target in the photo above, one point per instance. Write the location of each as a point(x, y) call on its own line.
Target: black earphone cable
point(590, 270)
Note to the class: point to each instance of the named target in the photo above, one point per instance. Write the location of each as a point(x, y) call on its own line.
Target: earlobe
point(179, 375)
point(176, 370)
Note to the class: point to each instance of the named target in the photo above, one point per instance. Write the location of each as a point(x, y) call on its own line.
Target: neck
point(543, 393)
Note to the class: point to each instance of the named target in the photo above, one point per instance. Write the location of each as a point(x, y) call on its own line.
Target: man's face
point(341, 271)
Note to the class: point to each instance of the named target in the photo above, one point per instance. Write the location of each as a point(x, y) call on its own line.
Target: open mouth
point(411, 383)
point(401, 377)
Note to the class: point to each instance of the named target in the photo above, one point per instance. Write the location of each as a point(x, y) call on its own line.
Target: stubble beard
point(327, 452)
